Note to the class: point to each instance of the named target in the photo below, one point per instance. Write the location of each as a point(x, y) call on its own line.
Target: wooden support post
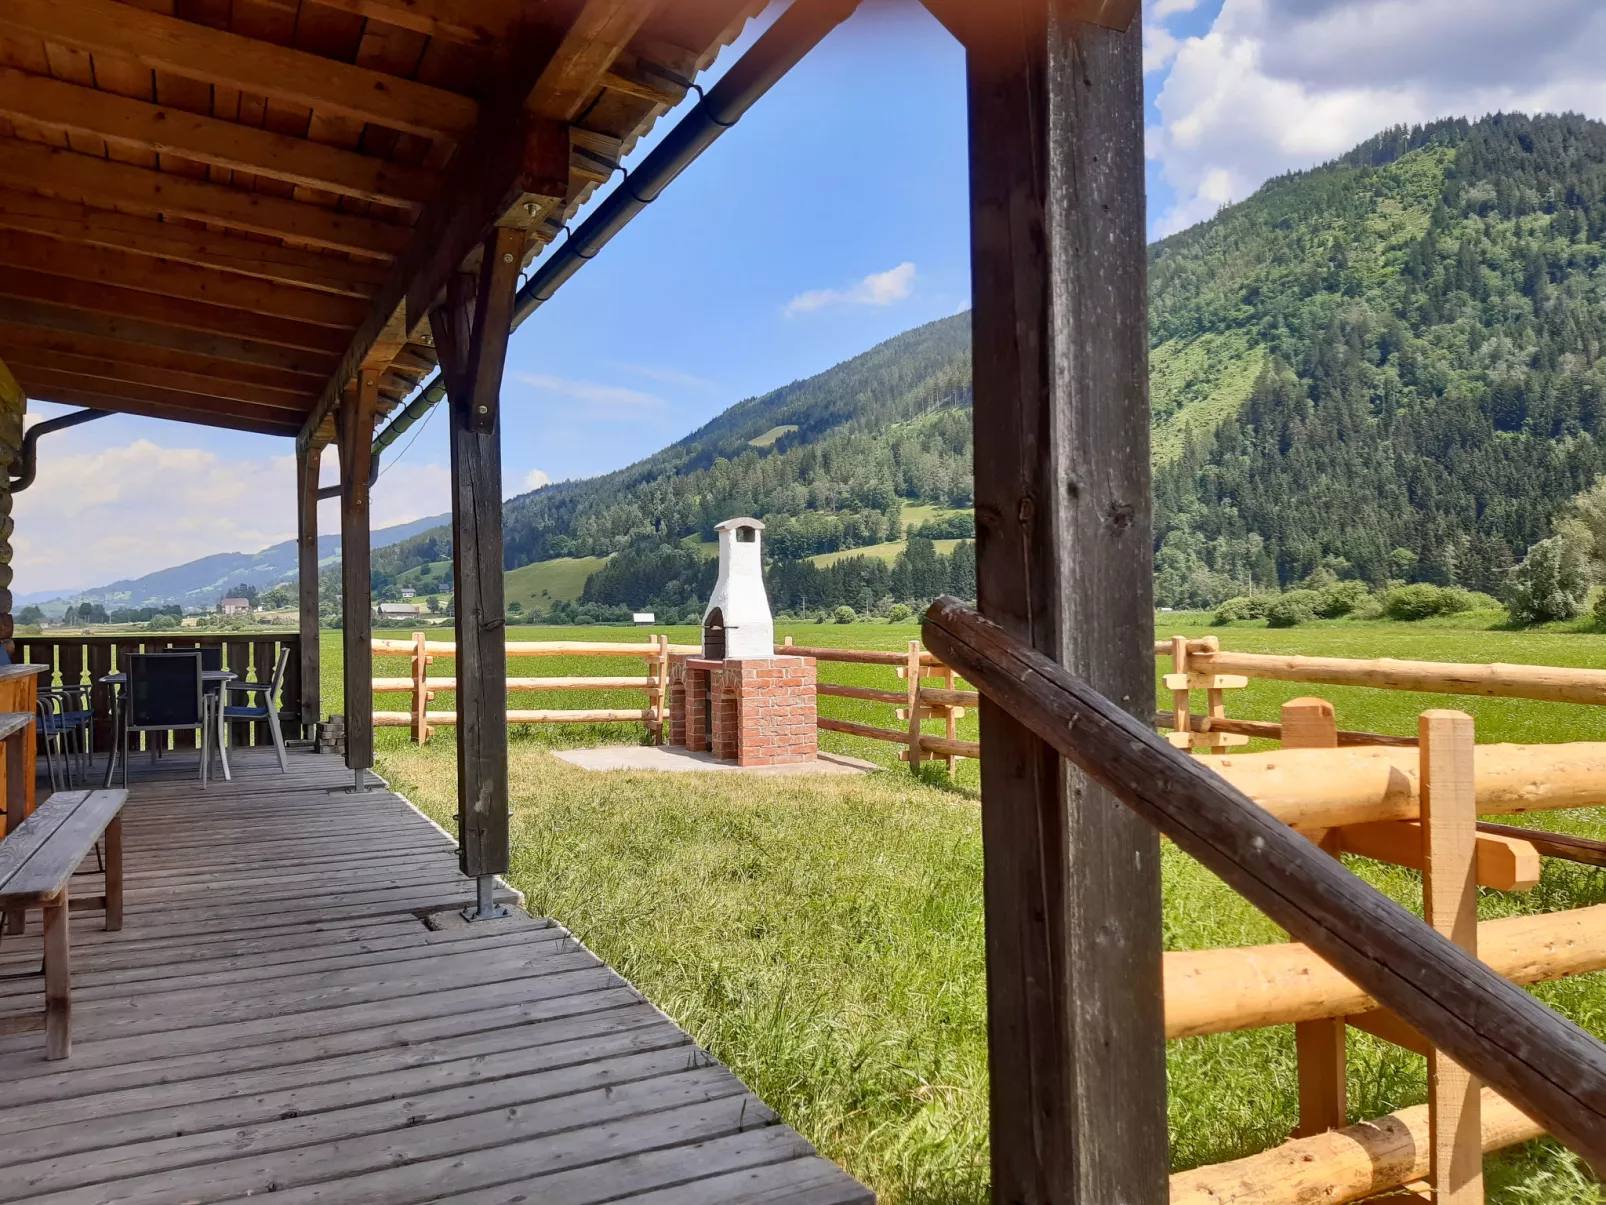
point(912, 673)
point(114, 874)
point(421, 661)
point(1450, 899)
point(308, 463)
point(356, 429)
point(1064, 562)
point(472, 350)
point(1319, 1045)
point(58, 978)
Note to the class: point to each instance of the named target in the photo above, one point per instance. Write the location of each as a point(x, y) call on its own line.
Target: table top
point(207, 675)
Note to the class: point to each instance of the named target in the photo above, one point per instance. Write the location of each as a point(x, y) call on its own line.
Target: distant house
point(408, 592)
point(399, 610)
point(236, 606)
point(643, 619)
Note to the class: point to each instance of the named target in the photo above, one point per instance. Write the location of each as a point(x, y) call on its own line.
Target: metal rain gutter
point(778, 49)
point(30, 442)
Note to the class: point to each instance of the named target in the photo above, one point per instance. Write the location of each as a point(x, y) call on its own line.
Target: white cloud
point(536, 478)
point(670, 376)
point(1277, 85)
point(97, 516)
point(879, 288)
point(589, 391)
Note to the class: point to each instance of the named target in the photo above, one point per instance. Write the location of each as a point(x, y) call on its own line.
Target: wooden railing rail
point(916, 702)
point(84, 660)
point(422, 688)
point(1544, 1064)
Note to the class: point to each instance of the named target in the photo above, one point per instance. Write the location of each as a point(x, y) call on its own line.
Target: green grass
point(882, 552)
point(767, 440)
point(539, 585)
point(824, 937)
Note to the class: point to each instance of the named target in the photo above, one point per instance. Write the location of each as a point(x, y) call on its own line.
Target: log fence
point(916, 703)
point(422, 688)
point(1503, 1068)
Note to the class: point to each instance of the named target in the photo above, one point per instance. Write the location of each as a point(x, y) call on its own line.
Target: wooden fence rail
point(916, 702)
point(422, 688)
point(1363, 959)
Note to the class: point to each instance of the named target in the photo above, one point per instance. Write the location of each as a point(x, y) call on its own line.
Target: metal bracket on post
point(485, 905)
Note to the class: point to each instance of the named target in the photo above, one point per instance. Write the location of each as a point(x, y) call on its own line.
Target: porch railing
point(85, 660)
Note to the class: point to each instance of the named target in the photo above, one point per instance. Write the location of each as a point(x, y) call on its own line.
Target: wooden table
point(16, 757)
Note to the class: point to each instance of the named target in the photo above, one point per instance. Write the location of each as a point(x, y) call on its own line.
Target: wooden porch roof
point(220, 211)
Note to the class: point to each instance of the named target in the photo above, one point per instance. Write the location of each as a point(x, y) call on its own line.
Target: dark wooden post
point(1064, 560)
point(355, 425)
point(472, 349)
point(308, 463)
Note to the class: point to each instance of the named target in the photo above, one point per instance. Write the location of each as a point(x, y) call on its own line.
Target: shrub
point(1244, 606)
point(1551, 583)
point(849, 615)
point(1291, 609)
point(1340, 599)
point(1423, 601)
point(166, 623)
point(898, 613)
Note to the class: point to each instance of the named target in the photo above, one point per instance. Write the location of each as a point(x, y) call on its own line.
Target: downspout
point(30, 443)
point(781, 47)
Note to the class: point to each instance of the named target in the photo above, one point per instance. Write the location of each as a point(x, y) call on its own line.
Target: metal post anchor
point(485, 906)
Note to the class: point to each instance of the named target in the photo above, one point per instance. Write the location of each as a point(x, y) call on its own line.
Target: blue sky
point(832, 217)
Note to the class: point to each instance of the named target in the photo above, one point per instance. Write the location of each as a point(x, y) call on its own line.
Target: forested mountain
point(1389, 366)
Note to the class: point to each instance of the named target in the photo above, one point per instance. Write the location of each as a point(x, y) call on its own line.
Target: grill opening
point(714, 636)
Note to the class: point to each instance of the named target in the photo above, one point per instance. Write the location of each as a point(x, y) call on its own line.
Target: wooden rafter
point(70, 108)
point(122, 371)
point(180, 406)
point(230, 60)
point(87, 179)
point(127, 270)
point(138, 235)
point(483, 24)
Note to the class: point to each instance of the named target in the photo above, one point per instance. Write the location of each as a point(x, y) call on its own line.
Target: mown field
point(824, 937)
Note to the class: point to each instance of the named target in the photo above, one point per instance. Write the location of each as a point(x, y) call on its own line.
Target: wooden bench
point(37, 861)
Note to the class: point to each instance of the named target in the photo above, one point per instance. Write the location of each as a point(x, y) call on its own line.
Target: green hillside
point(1389, 367)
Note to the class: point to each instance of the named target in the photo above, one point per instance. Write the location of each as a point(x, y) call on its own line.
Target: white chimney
point(737, 621)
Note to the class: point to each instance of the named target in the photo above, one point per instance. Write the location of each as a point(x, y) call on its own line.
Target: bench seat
point(37, 862)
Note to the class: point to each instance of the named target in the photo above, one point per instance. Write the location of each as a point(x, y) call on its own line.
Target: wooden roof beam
point(483, 23)
point(216, 56)
point(176, 312)
point(21, 339)
point(101, 181)
point(516, 162)
point(116, 373)
point(58, 105)
point(71, 221)
point(115, 267)
point(179, 407)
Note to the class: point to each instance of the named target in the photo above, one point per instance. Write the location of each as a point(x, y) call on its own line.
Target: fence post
point(912, 673)
point(950, 715)
point(420, 689)
point(659, 691)
point(1450, 899)
point(1319, 1045)
point(1181, 721)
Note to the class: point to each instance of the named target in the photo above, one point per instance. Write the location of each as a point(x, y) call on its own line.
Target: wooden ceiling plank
point(148, 275)
point(101, 181)
point(139, 235)
point(216, 56)
point(125, 328)
point(602, 29)
point(228, 374)
point(227, 144)
point(169, 311)
point(212, 417)
point(483, 23)
point(116, 372)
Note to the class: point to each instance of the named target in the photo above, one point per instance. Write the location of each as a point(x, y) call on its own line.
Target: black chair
point(164, 694)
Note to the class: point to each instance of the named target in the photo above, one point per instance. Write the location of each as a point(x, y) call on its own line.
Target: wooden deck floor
point(275, 1018)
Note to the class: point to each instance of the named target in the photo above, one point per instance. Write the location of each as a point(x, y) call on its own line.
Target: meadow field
point(824, 937)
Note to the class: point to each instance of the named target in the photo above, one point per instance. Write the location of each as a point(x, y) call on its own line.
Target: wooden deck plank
point(277, 1016)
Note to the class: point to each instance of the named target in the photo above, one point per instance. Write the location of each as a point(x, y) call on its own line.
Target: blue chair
point(267, 706)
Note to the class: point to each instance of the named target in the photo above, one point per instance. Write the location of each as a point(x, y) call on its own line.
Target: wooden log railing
point(916, 703)
point(1438, 995)
point(422, 688)
point(85, 660)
